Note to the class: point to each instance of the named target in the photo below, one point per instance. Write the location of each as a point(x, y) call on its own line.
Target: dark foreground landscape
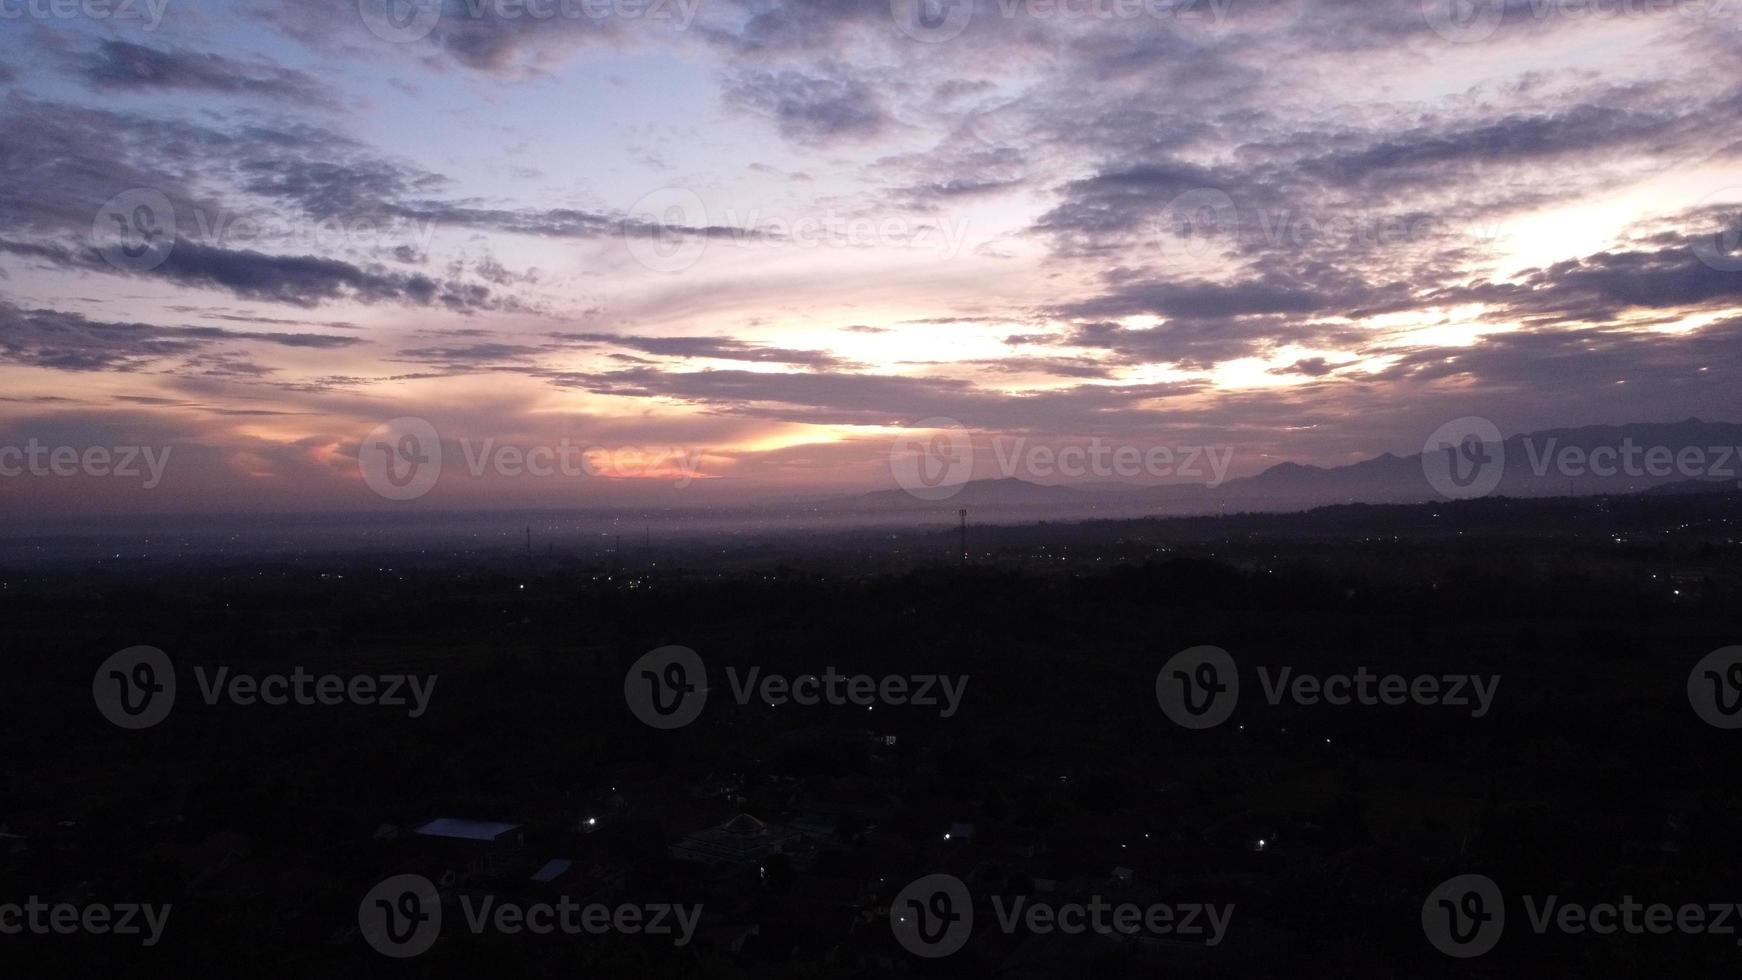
point(1555, 747)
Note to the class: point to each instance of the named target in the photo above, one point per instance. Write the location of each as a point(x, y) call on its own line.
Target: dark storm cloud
point(809, 109)
point(1119, 200)
point(304, 280)
point(1431, 153)
point(122, 65)
point(1597, 363)
point(295, 280)
point(1603, 286)
point(1203, 343)
point(328, 187)
point(1312, 367)
point(1339, 193)
point(71, 342)
point(63, 162)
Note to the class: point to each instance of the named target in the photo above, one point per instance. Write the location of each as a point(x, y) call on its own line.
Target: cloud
point(810, 109)
point(1601, 287)
point(120, 65)
point(294, 280)
point(71, 342)
point(722, 348)
point(880, 399)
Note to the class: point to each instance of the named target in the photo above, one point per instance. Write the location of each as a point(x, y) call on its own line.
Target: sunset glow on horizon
point(734, 248)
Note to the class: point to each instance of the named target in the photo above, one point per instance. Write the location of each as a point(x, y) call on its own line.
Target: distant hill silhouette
point(1535, 465)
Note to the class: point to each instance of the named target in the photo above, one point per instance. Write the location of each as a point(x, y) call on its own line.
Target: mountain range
point(1632, 458)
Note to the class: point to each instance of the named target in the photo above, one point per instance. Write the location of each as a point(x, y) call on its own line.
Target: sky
point(737, 250)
